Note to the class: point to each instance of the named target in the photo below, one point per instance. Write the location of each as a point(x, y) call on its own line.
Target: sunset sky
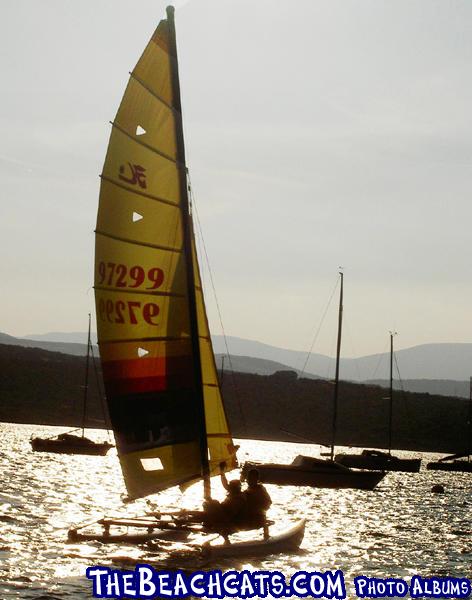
point(318, 134)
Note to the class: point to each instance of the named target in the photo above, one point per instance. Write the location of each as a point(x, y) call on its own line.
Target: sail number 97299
point(130, 312)
point(121, 276)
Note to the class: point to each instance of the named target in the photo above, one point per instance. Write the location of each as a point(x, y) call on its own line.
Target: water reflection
point(396, 531)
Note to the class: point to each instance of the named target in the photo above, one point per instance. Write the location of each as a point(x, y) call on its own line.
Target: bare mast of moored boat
point(86, 382)
point(338, 357)
point(390, 404)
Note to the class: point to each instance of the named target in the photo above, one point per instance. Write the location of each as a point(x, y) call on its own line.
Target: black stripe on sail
point(159, 418)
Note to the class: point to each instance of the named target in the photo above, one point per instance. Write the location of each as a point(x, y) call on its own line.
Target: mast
point(84, 407)
point(187, 240)
point(390, 406)
point(336, 376)
point(470, 417)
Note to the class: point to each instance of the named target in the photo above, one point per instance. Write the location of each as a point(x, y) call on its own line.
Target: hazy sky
point(318, 134)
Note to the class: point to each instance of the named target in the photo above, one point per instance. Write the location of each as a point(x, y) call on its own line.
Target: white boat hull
point(284, 542)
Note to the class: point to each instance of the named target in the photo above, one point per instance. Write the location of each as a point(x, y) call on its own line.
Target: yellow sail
point(220, 443)
point(162, 388)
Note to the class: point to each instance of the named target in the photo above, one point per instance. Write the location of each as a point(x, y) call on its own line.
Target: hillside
point(445, 361)
point(75, 349)
point(442, 387)
point(249, 364)
point(37, 386)
point(426, 358)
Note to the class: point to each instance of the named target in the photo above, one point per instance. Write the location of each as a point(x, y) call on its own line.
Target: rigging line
point(319, 327)
point(331, 364)
point(238, 398)
point(398, 373)
point(101, 394)
point(351, 340)
point(199, 251)
point(402, 387)
point(381, 358)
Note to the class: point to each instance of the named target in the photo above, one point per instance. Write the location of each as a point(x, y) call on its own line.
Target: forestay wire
point(380, 360)
point(207, 260)
point(315, 337)
point(101, 393)
point(398, 373)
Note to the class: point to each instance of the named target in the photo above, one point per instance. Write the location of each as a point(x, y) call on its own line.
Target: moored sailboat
point(455, 462)
point(70, 443)
point(376, 459)
point(317, 472)
point(162, 387)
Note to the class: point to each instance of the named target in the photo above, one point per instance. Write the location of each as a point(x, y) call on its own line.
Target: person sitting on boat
point(228, 516)
point(234, 505)
point(258, 502)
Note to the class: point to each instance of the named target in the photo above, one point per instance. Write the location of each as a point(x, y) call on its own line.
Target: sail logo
point(134, 174)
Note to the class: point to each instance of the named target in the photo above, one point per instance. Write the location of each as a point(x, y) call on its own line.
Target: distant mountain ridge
point(72, 337)
point(451, 361)
point(442, 361)
point(76, 349)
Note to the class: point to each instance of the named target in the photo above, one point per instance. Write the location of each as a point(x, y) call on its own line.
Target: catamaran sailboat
point(316, 472)
point(376, 459)
point(159, 369)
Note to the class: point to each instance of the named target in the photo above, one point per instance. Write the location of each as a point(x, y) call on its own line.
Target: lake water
point(399, 530)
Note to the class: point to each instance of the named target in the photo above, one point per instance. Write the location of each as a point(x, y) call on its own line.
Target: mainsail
point(158, 365)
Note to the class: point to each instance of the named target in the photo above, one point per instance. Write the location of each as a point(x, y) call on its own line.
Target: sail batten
point(138, 243)
point(148, 146)
point(147, 293)
point(139, 192)
point(158, 365)
point(161, 100)
point(143, 339)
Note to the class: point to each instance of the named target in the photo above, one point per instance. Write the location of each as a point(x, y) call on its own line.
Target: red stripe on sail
point(148, 374)
point(121, 387)
point(147, 367)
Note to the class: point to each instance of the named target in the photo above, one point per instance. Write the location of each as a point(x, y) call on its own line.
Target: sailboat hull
point(313, 472)
point(140, 530)
point(283, 543)
point(461, 466)
point(379, 462)
point(77, 445)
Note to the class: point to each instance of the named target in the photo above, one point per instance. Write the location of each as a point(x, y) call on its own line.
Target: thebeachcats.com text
point(146, 582)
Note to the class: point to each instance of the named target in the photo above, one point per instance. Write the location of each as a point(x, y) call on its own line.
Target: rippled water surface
point(396, 531)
